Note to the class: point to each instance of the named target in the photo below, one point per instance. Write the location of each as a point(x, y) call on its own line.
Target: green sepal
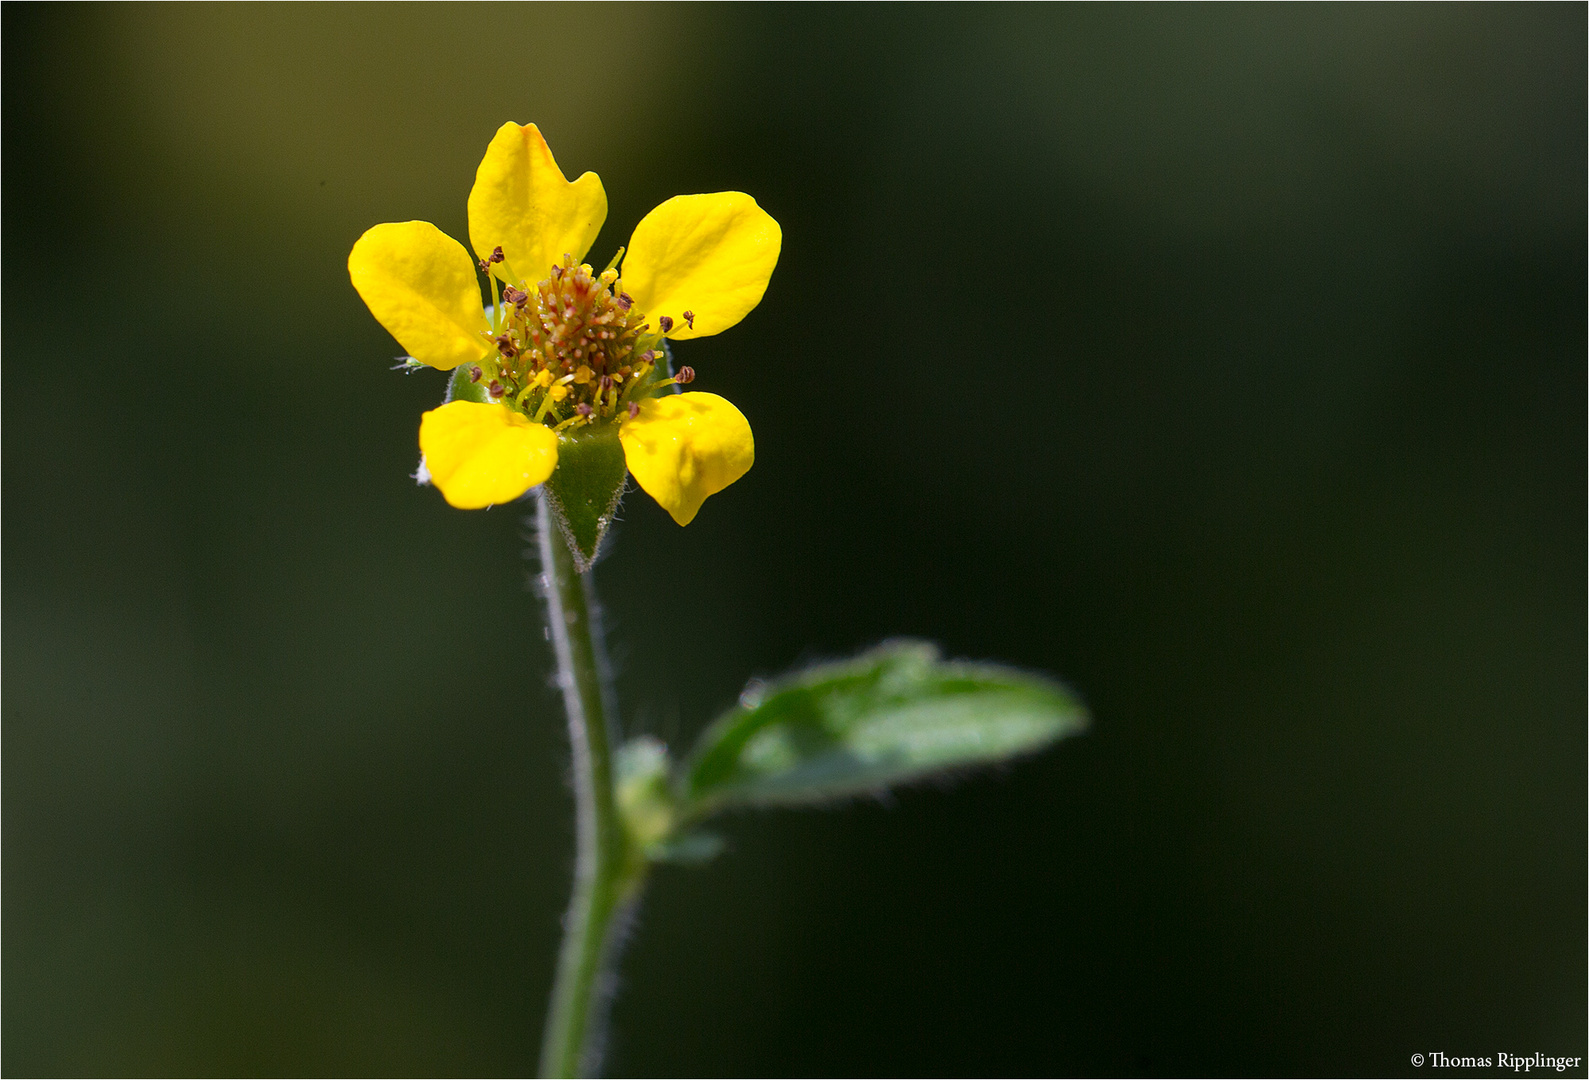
point(460, 387)
point(584, 490)
point(889, 716)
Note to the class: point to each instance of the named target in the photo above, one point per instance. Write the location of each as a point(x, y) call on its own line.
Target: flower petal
point(710, 255)
point(420, 284)
point(522, 202)
point(481, 454)
point(683, 447)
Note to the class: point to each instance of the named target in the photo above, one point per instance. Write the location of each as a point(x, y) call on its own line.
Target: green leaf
point(889, 716)
point(645, 799)
point(648, 806)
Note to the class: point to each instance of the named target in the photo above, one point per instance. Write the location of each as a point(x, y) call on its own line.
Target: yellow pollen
point(575, 341)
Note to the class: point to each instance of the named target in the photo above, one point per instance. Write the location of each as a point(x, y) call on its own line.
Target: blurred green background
point(1227, 362)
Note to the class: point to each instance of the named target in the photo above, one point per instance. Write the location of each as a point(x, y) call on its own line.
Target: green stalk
point(607, 874)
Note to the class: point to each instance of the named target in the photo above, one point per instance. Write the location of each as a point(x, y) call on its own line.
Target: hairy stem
point(607, 875)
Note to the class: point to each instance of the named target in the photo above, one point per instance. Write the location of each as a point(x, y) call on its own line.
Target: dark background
point(1227, 362)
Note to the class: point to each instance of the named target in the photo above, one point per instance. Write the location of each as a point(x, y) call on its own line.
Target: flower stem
point(607, 874)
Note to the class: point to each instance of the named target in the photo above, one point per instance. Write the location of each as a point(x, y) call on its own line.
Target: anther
point(583, 408)
point(666, 324)
point(494, 257)
point(689, 316)
point(505, 346)
point(634, 409)
point(605, 383)
point(475, 373)
point(495, 388)
point(686, 375)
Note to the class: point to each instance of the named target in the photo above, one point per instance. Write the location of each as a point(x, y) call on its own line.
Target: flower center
point(571, 349)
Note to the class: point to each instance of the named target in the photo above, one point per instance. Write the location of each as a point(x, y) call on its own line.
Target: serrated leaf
point(889, 716)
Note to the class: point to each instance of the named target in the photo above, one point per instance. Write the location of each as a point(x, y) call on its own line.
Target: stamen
point(575, 340)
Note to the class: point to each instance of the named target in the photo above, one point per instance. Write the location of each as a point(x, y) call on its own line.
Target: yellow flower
point(564, 356)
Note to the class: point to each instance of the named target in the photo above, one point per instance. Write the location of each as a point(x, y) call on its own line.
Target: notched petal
point(682, 448)
point(522, 203)
point(420, 284)
point(708, 255)
point(480, 454)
